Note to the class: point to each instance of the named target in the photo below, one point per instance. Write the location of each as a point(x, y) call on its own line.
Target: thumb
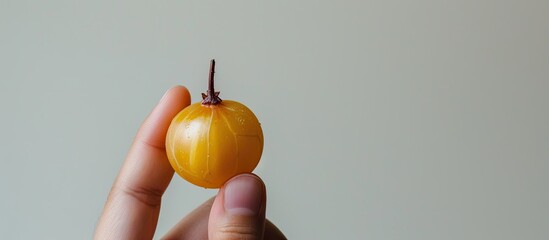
point(238, 211)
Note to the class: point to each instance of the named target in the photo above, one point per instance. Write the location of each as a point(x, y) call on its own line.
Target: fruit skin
point(209, 144)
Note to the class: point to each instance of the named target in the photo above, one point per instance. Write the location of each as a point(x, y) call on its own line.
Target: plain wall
point(382, 119)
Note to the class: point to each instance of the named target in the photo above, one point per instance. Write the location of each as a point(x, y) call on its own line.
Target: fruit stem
point(211, 97)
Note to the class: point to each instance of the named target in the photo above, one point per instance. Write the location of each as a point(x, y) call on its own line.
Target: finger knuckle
point(238, 231)
point(151, 197)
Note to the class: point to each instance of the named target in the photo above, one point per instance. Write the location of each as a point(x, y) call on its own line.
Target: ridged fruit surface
point(209, 144)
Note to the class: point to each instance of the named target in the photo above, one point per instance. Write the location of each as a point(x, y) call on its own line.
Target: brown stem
point(211, 97)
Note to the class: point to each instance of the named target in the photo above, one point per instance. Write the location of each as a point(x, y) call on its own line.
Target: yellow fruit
point(210, 142)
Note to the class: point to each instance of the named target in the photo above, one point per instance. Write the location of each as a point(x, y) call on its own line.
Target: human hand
point(133, 205)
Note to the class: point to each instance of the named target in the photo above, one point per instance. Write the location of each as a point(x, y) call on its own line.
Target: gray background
point(382, 119)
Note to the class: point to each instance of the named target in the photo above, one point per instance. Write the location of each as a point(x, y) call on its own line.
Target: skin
point(133, 206)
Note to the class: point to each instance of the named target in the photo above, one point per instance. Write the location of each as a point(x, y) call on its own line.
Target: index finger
point(133, 205)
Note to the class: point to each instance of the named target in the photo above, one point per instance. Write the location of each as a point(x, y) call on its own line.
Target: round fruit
point(210, 142)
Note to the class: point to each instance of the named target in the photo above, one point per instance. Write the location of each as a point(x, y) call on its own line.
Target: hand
point(133, 205)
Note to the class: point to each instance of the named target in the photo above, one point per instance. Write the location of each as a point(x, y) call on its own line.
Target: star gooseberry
point(211, 141)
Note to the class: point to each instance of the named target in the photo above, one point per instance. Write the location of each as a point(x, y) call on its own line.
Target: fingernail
point(243, 195)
